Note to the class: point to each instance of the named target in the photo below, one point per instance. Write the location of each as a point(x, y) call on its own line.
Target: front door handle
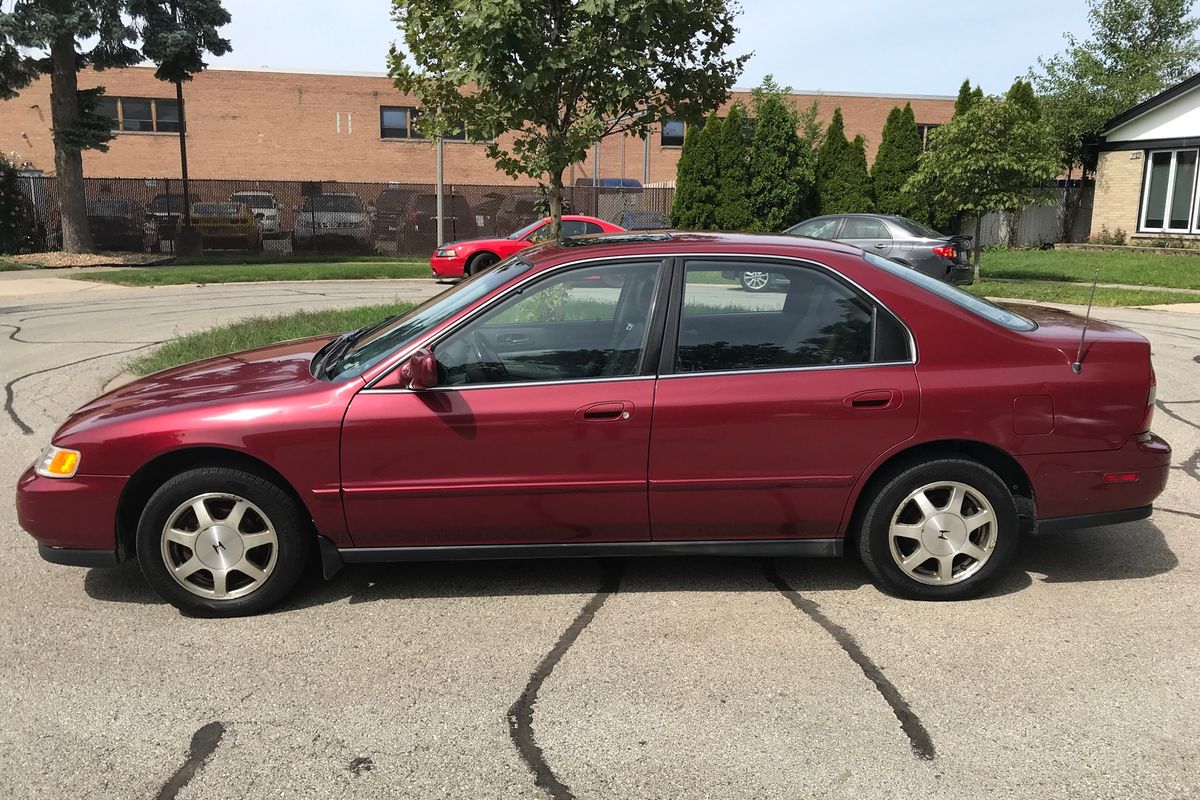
point(605, 412)
point(873, 400)
point(881, 246)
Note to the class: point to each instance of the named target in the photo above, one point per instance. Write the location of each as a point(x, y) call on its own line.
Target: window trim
point(1193, 226)
point(670, 343)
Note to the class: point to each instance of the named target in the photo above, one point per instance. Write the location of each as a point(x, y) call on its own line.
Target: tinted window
point(589, 322)
point(137, 115)
point(672, 133)
point(864, 228)
point(976, 305)
point(813, 320)
point(817, 228)
point(167, 116)
point(107, 107)
point(393, 122)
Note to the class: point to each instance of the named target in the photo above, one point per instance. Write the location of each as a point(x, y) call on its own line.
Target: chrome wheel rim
point(219, 546)
point(943, 533)
point(755, 280)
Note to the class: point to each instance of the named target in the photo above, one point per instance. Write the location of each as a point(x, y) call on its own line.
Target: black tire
point(888, 499)
point(754, 280)
point(479, 262)
point(291, 527)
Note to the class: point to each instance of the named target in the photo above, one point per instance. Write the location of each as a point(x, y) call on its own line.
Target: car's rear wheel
point(222, 542)
point(753, 281)
point(939, 530)
point(480, 262)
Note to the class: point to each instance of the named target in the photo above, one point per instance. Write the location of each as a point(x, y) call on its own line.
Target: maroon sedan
point(615, 395)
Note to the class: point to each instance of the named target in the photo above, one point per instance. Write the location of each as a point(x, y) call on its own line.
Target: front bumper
point(70, 517)
point(443, 267)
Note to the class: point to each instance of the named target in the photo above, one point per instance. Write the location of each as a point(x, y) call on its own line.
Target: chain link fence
point(1039, 224)
point(143, 214)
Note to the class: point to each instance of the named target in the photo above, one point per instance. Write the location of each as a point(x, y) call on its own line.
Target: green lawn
point(241, 273)
point(259, 331)
point(1078, 293)
point(218, 259)
point(8, 266)
point(1138, 269)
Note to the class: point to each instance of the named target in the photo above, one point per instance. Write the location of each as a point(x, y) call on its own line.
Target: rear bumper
point(960, 274)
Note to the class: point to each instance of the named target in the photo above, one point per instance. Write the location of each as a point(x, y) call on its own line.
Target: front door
point(771, 405)
point(868, 233)
point(538, 431)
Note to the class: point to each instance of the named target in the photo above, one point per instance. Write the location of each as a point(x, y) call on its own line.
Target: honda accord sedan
point(614, 396)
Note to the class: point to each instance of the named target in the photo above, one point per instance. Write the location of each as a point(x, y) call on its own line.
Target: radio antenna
point(1078, 365)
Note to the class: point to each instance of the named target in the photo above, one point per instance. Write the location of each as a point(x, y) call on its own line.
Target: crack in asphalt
point(9, 394)
point(1162, 406)
point(918, 737)
point(1191, 514)
point(520, 715)
point(204, 743)
point(16, 330)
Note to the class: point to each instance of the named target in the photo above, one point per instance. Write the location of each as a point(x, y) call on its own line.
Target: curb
point(119, 381)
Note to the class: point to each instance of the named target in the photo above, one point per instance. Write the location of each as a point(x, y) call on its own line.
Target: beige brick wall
point(1118, 190)
point(284, 126)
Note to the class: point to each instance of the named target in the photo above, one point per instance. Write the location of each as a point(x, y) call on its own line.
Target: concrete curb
point(119, 381)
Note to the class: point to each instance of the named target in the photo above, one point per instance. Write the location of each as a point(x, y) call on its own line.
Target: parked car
point(903, 240)
point(459, 259)
point(389, 213)
point(265, 208)
point(511, 417)
point(332, 221)
point(163, 214)
point(116, 224)
point(418, 229)
point(636, 220)
point(227, 226)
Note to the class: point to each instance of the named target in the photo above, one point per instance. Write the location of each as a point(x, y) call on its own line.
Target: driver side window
point(589, 322)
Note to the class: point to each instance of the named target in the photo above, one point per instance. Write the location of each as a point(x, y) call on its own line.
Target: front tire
point(222, 542)
point(939, 530)
point(479, 263)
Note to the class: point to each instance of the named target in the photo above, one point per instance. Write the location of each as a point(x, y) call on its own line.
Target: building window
point(672, 132)
point(1170, 193)
point(399, 122)
point(140, 114)
point(923, 130)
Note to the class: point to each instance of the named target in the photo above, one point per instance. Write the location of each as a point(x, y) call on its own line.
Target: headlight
point(445, 252)
point(57, 462)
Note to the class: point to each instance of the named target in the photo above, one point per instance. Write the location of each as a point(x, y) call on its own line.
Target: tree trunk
point(556, 202)
point(68, 161)
point(978, 243)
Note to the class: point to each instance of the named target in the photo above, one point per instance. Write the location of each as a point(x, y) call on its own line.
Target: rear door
point(770, 405)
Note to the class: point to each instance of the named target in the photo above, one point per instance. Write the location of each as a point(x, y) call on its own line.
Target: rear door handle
point(873, 400)
point(605, 412)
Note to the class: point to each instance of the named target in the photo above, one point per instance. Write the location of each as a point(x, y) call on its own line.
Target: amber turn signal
point(58, 462)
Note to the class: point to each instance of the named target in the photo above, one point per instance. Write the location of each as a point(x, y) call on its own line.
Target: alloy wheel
point(219, 546)
point(755, 281)
point(943, 533)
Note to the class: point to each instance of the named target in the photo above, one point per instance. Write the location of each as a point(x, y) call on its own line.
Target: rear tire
point(754, 281)
point(939, 530)
point(222, 542)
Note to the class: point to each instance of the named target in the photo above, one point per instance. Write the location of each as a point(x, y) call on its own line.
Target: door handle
point(514, 339)
point(605, 412)
point(874, 400)
point(881, 246)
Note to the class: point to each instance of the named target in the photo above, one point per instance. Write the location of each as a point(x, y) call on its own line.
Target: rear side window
point(976, 305)
point(803, 317)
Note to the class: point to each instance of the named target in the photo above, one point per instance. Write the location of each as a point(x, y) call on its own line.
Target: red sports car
point(463, 259)
point(863, 405)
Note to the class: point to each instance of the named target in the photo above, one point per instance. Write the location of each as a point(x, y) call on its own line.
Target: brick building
point(272, 125)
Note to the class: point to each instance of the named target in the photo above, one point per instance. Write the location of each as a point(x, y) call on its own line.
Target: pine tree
point(967, 97)
point(896, 161)
point(843, 183)
point(1021, 95)
point(733, 170)
point(781, 174)
point(19, 229)
point(695, 205)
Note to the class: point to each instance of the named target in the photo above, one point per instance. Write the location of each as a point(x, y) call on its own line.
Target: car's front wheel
point(480, 262)
point(222, 542)
point(939, 530)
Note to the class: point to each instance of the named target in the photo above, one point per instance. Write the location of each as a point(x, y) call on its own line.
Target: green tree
point(697, 177)
point(967, 97)
point(733, 172)
point(990, 158)
point(781, 174)
point(843, 182)
point(559, 77)
point(61, 37)
point(896, 162)
point(1136, 49)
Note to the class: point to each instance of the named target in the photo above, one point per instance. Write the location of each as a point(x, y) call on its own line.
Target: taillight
point(945, 251)
point(1151, 397)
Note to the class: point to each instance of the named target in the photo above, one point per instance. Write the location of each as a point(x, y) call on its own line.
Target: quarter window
point(583, 324)
point(1170, 192)
point(806, 319)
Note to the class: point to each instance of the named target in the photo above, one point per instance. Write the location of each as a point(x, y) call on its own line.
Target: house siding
point(1118, 191)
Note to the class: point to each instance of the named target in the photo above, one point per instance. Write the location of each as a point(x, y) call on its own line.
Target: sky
point(871, 46)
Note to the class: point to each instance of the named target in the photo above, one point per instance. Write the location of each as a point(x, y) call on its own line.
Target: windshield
point(976, 305)
point(916, 228)
point(521, 233)
point(216, 209)
point(254, 200)
point(404, 329)
point(109, 207)
point(164, 202)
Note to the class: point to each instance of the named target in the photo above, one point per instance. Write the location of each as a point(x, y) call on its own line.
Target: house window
point(140, 114)
point(1170, 192)
point(923, 130)
point(672, 132)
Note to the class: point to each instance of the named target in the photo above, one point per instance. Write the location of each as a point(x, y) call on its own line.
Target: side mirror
point(419, 371)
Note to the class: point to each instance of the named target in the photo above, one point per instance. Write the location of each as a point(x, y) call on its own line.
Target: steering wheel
point(491, 368)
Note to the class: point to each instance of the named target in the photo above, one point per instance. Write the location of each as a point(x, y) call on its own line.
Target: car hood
point(238, 377)
point(480, 241)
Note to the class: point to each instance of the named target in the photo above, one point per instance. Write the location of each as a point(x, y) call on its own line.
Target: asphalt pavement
point(1076, 676)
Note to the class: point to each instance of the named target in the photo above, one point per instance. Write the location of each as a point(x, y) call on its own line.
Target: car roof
point(634, 243)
